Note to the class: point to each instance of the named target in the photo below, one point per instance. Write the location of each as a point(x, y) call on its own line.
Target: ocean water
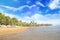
point(35, 33)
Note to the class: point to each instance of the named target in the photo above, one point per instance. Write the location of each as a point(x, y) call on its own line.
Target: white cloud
point(11, 15)
point(21, 7)
point(54, 4)
point(16, 9)
point(39, 3)
point(8, 7)
point(39, 18)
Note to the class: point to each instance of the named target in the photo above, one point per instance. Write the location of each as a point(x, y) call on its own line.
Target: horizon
point(39, 11)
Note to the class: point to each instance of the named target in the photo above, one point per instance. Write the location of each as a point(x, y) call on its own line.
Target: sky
point(39, 11)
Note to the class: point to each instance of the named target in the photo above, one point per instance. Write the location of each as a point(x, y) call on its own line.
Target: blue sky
point(40, 11)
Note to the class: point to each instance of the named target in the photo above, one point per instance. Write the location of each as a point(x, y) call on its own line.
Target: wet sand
point(35, 33)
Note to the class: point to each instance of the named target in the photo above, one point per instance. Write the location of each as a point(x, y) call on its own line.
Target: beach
point(4, 31)
point(30, 33)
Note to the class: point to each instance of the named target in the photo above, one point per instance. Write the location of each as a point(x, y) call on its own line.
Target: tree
point(2, 18)
point(13, 21)
point(7, 20)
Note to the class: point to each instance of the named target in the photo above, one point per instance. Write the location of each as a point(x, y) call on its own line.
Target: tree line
point(6, 20)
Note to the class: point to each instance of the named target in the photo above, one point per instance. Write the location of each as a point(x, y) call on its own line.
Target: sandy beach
point(30, 33)
point(4, 31)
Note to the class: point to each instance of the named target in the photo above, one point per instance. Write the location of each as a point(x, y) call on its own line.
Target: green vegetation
point(6, 20)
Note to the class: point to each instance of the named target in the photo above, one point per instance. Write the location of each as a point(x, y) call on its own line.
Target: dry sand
point(4, 31)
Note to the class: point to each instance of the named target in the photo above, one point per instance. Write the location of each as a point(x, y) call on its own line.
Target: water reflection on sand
point(36, 33)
